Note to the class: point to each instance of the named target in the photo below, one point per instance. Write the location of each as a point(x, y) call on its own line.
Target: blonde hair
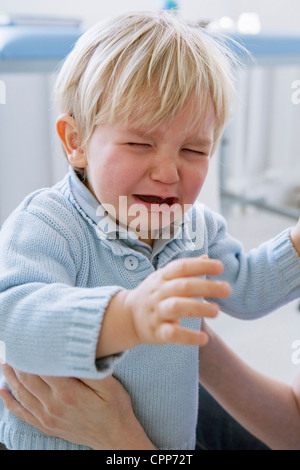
point(146, 67)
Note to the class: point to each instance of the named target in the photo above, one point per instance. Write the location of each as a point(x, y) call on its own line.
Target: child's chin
point(147, 222)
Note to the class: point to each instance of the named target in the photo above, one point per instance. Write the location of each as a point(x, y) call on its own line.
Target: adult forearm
point(266, 407)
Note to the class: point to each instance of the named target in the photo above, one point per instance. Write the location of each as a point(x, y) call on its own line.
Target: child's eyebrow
point(140, 132)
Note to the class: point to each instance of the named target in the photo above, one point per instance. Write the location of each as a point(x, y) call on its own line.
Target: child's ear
point(68, 134)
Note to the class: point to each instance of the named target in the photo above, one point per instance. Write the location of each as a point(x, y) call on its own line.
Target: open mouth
point(149, 199)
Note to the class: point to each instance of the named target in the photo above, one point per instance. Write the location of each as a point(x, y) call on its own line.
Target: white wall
point(275, 14)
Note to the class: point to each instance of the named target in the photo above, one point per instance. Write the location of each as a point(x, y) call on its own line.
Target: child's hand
point(158, 303)
point(295, 236)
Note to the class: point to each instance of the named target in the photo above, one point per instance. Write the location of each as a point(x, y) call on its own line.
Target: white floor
point(266, 343)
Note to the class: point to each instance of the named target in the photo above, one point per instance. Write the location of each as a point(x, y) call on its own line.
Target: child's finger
point(174, 333)
point(177, 307)
point(195, 287)
point(199, 266)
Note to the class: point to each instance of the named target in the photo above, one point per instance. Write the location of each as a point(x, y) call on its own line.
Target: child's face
point(154, 170)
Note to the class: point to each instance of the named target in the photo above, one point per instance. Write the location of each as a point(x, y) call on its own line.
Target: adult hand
point(95, 413)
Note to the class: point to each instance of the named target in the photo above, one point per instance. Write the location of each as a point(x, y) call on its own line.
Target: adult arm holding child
point(267, 408)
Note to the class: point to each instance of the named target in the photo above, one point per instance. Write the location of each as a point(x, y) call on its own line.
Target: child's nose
point(165, 171)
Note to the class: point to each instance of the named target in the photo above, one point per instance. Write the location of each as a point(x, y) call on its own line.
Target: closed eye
point(135, 144)
point(196, 152)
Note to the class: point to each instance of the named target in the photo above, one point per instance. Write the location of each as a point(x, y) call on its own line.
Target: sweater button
point(131, 263)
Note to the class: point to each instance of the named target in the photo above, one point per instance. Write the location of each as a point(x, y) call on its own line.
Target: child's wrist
point(117, 333)
point(128, 300)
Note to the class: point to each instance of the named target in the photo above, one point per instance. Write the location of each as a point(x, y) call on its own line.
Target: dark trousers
point(217, 430)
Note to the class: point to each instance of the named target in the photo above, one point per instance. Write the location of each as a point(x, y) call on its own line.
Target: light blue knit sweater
point(58, 272)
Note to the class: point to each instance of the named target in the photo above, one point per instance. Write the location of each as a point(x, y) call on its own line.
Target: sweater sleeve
point(262, 280)
point(48, 325)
